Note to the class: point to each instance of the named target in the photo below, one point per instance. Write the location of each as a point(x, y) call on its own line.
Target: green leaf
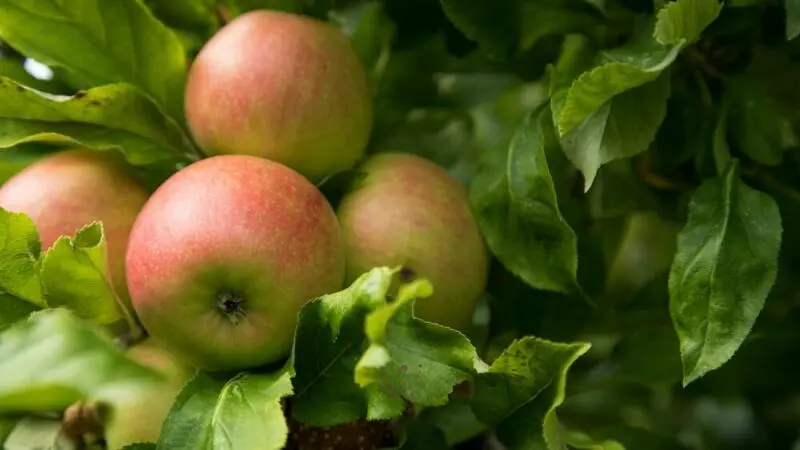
point(371, 32)
point(456, 421)
point(792, 18)
point(19, 257)
point(621, 128)
point(410, 358)
point(725, 266)
point(75, 275)
point(54, 359)
point(243, 412)
point(495, 26)
point(32, 433)
point(101, 42)
point(756, 120)
point(329, 340)
point(13, 309)
point(543, 18)
point(110, 117)
point(523, 388)
point(200, 15)
point(517, 209)
point(619, 70)
point(682, 21)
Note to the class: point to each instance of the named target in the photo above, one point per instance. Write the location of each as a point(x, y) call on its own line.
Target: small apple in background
point(224, 255)
point(65, 191)
point(284, 87)
point(139, 419)
point(407, 211)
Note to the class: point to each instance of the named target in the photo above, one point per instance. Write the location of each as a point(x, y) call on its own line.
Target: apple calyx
point(231, 305)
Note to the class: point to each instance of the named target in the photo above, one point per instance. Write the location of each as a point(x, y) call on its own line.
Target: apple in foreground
point(65, 191)
point(407, 211)
point(139, 419)
point(224, 255)
point(284, 87)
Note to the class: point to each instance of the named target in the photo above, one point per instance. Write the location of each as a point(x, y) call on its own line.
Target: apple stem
point(136, 331)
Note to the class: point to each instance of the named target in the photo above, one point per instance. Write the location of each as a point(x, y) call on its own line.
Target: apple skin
point(140, 418)
point(65, 191)
point(224, 255)
point(284, 87)
point(407, 211)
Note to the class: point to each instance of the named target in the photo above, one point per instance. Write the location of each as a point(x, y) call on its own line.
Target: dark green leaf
point(53, 359)
point(725, 266)
point(542, 18)
point(14, 69)
point(13, 309)
point(328, 343)
point(682, 21)
point(634, 360)
point(101, 42)
point(75, 275)
point(243, 412)
point(495, 26)
point(412, 359)
point(756, 120)
point(456, 421)
point(200, 15)
point(517, 209)
point(109, 117)
point(371, 32)
point(523, 388)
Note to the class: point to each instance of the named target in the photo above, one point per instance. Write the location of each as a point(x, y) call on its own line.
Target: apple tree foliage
point(633, 166)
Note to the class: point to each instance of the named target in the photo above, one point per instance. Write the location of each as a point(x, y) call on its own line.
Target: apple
point(70, 189)
point(224, 255)
point(140, 417)
point(407, 211)
point(284, 87)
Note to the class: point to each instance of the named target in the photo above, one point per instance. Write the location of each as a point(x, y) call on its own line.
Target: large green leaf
point(725, 265)
point(75, 275)
point(329, 340)
point(620, 128)
point(101, 42)
point(54, 359)
point(243, 412)
point(116, 116)
point(517, 209)
point(522, 390)
point(619, 70)
point(410, 358)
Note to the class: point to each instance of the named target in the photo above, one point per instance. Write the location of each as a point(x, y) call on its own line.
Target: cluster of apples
point(219, 259)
